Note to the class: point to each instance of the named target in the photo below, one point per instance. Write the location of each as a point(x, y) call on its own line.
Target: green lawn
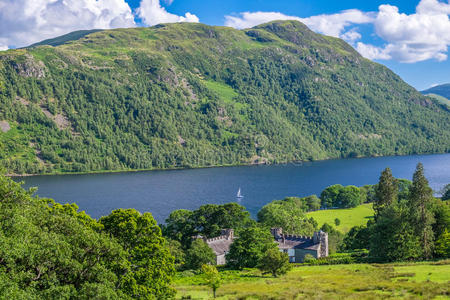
point(437, 273)
point(356, 281)
point(349, 217)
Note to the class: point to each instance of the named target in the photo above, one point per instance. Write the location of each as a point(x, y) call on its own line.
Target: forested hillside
point(192, 95)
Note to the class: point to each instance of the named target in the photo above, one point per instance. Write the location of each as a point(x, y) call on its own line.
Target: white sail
point(239, 195)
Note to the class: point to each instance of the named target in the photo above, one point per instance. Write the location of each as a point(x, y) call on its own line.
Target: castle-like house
point(221, 245)
point(295, 246)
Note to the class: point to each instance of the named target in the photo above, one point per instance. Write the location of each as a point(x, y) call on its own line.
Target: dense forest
point(192, 95)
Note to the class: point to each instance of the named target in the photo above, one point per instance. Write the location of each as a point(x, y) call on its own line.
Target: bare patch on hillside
point(370, 136)
point(4, 126)
point(60, 120)
point(181, 141)
point(23, 101)
point(30, 67)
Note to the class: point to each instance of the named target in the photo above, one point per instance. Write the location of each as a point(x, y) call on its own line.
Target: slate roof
point(297, 242)
point(220, 245)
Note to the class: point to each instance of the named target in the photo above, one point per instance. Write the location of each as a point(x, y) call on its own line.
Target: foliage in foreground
point(52, 251)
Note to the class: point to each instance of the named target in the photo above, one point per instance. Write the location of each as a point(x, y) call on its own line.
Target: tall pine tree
point(386, 192)
point(422, 219)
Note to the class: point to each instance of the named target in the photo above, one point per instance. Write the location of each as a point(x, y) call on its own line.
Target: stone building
point(221, 245)
point(298, 246)
point(295, 246)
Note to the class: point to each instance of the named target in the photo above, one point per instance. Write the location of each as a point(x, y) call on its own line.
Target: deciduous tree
point(212, 277)
point(274, 262)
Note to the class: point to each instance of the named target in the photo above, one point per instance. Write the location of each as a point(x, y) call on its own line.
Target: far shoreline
point(99, 172)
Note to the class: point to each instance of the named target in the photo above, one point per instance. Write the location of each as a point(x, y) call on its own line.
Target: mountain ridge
point(441, 90)
point(193, 95)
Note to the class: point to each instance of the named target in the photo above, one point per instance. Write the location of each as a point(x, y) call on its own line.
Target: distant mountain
point(192, 95)
point(73, 36)
point(440, 93)
point(441, 90)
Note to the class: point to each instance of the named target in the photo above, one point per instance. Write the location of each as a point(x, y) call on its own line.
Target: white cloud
point(372, 52)
point(251, 19)
point(416, 37)
point(151, 12)
point(23, 22)
point(333, 25)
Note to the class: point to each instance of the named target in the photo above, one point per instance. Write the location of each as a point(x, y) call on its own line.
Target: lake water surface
point(161, 192)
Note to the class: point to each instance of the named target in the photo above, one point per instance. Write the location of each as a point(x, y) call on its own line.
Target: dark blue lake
point(161, 192)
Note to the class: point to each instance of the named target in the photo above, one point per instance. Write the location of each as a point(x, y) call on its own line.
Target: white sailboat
point(239, 195)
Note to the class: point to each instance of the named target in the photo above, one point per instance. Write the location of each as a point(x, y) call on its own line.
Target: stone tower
point(277, 232)
point(228, 233)
point(323, 240)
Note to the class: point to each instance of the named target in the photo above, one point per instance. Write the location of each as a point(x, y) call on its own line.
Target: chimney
point(228, 233)
point(316, 238)
point(277, 232)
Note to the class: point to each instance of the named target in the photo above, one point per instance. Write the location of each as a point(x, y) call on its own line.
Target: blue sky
point(409, 36)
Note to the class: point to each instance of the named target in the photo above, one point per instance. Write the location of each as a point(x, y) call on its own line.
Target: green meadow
point(428, 280)
point(349, 217)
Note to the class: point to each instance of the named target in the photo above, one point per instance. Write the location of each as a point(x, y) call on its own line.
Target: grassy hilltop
point(192, 95)
point(348, 217)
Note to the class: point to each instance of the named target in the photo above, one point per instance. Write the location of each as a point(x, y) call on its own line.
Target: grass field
point(349, 217)
point(357, 281)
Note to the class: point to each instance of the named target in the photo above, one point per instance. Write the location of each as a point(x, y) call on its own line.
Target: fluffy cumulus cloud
point(411, 38)
point(151, 12)
point(24, 22)
point(408, 38)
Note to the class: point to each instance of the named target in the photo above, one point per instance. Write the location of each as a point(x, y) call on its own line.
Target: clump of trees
point(290, 214)
point(53, 251)
point(409, 223)
point(207, 221)
point(249, 248)
point(338, 196)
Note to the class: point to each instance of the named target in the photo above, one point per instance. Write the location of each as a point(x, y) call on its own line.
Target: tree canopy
point(53, 251)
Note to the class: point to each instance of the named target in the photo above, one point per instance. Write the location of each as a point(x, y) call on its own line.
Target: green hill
point(192, 95)
point(349, 217)
point(441, 90)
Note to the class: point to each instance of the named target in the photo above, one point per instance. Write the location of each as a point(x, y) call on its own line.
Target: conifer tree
point(422, 219)
point(386, 192)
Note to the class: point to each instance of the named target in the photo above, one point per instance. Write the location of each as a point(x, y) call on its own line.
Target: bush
point(360, 256)
point(199, 254)
point(337, 222)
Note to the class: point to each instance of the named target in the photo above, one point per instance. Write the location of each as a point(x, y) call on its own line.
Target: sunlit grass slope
point(348, 217)
point(357, 281)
